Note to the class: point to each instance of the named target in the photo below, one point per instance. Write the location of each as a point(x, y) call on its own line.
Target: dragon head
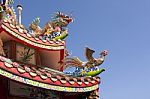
point(62, 20)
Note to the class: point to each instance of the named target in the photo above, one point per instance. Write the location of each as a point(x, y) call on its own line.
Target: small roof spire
point(19, 7)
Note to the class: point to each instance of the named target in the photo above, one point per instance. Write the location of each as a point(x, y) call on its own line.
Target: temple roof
point(51, 39)
point(22, 35)
point(46, 78)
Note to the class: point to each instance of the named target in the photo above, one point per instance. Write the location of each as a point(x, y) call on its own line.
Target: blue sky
point(121, 26)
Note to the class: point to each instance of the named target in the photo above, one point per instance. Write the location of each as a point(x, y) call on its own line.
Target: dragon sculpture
point(89, 68)
point(7, 11)
point(54, 29)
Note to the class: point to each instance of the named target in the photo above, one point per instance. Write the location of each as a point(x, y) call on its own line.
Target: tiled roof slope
point(24, 36)
point(47, 79)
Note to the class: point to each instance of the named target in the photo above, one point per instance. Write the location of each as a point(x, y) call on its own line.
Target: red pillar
point(3, 88)
point(62, 54)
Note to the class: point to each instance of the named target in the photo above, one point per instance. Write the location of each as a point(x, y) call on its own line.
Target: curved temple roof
point(23, 36)
point(40, 77)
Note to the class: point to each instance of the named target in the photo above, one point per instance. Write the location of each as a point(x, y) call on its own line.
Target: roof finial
point(19, 7)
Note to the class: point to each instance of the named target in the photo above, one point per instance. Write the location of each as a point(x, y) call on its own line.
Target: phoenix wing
point(89, 55)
